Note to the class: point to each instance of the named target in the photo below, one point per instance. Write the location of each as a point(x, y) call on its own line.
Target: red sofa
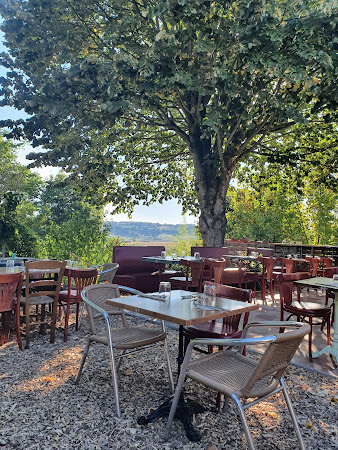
point(137, 274)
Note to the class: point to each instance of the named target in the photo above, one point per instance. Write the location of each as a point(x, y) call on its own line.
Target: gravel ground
point(42, 408)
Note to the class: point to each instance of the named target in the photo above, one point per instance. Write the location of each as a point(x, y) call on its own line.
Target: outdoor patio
point(43, 408)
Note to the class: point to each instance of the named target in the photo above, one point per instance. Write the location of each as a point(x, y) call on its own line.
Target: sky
point(169, 212)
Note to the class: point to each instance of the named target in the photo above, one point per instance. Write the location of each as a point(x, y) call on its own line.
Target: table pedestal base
point(185, 410)
point(328, 349)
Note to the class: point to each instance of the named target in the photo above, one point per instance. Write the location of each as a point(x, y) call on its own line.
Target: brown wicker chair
point(239, 377)
point(10, 291)
point(42, 287)
point(121, 339)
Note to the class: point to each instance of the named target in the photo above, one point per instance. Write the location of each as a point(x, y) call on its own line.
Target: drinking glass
point(197, 255)
point(174, 255)
point(10, 265)
point(184, 255)
point(209, 293)
point(163, 254)
point(335, 278)
point(165, 289)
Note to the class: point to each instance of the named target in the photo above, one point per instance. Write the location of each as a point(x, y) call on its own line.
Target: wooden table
point(180, 309)
point(7, 270)
point(326, 283)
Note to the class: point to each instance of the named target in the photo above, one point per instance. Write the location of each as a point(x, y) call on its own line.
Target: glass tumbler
point(165, 289)
point(10, 265)
point(197, 255)
point(209, 294)
point(163, 254)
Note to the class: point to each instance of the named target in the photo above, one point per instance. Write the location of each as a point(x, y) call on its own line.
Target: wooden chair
point(304, 311)
point(215, 270)
point(42, 287)
point(10, 291)
point(229, 327)
point(193, 278)
point(266, 278)
point(81, 278)
point(122, 341)
point(241, 378)
point(287, 265)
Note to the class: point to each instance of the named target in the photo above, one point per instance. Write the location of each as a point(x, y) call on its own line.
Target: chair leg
point(310, 340)
point(81, 314)
point(170, 373)
point(27, 326)
point(43, 319)
point(66, 322)
point(225, 404)
point(53, 322)
point(3, 331)
point(77, 316)
point(244, 422)
point(17, 327)
point(114, 377)
point(292, 414)
point(84, 357)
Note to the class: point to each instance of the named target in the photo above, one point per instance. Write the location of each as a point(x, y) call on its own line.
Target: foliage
point(18, 187)
point(184, 241)
point(271, 204)
point(147, 100)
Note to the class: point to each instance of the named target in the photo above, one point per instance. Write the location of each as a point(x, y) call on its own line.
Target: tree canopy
point(146, 100)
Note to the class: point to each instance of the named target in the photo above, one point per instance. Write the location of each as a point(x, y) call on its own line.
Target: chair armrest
point(231, 342)
point(272, 324)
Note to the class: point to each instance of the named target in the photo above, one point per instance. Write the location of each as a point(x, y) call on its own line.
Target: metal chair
point(10, 291)
point(239, 377)
point(108, 273)
point(42, 287)
point(121, 339)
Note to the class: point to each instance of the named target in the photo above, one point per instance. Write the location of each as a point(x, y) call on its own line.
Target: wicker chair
point(42, 287)
point(121, 339)
point(10, 287)
point(107, 273)
point(239, 377)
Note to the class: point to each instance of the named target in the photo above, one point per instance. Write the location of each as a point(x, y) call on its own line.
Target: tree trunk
point(212, 184)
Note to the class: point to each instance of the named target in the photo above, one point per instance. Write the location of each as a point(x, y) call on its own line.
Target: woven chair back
point(273, 363)
point(98, 294)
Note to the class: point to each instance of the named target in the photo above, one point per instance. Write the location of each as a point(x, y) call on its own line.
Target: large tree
point(165, 97)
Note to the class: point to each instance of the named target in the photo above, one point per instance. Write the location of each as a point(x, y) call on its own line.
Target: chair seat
point(226, 372)
point(212, 330)
point(131, 337)
point(308, 308)
point(63, 297)
point(42, 300)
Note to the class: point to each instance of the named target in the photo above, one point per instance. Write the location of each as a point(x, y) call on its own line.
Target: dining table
point(183, 308)
point(332, 285)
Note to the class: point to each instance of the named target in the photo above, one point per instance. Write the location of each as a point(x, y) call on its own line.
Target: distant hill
point(147, 231)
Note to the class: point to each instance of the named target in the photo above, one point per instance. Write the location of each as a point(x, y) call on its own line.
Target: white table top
point(181, 310)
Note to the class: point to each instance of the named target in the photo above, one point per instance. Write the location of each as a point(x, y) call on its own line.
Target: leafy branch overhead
point(181, 91)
